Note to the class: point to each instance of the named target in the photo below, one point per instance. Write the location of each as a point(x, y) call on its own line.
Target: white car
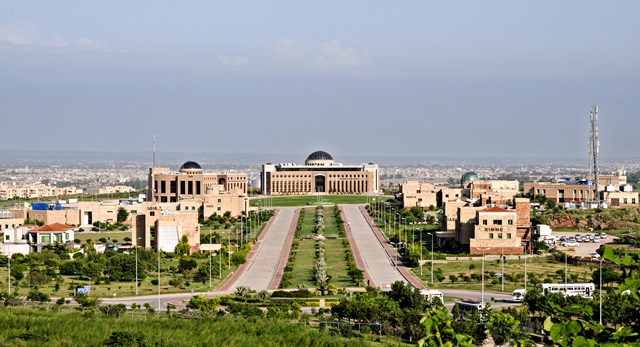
point(596, 238)
point(570, 244)
point(603, 235)
point(595, 255)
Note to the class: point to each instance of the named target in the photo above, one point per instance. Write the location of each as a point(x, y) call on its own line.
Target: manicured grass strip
point(303, 200)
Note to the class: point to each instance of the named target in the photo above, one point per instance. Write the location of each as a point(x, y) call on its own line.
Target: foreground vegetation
point(28, 327)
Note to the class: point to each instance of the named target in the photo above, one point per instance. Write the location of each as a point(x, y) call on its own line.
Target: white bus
point(432, 293)
point(584, 290)
point(518, 294)
point(468, 308)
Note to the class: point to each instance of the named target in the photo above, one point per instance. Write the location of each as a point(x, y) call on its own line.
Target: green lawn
point(302, 268)
point(120, 288)
point(303, 200)
point(544, 267)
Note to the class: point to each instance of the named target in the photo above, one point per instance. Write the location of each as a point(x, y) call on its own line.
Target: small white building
point(14, 241)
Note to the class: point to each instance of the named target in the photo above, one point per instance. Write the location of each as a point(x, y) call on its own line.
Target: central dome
point(191, 167)
point(319, 158)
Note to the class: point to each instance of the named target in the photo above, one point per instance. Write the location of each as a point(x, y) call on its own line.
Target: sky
point(410, 78)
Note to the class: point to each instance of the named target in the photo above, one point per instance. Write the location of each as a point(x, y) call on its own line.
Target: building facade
point(319, 174)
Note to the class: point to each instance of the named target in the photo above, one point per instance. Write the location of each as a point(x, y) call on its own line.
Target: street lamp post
point(483, 251)
point(565, 274)
point(211, 244)
point(421, 245)
point(525, 269)
point(158, 245)
point(432, 258)
point(502, 265)
point(9, 275)
point(139, 238)
point(600, 291)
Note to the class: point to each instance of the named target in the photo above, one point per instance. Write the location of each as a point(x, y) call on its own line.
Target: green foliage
point(183, 246)
point(206, 305)
point(35, 295)
point(187, 264)
point(503, 327)
point(127, 339)
point(123, 214)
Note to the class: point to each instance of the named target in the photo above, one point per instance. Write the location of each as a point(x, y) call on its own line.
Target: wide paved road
point(262, 267)
point(378, 265)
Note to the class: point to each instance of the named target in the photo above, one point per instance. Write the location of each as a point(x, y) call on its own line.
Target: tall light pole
point(483, 250)
point(502, 265)
point(158, 243)
point(600, 292)
point(432, 258)
point(565, 274)
point(9, 276)
point(421, 245)
point(526, 252)
point(139, 238)
point(210, 245)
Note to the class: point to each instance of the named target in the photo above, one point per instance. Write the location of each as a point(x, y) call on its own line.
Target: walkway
point(261, 266)
point(378, 265)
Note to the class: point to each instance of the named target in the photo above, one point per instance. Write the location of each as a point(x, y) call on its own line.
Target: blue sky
point(450, 78)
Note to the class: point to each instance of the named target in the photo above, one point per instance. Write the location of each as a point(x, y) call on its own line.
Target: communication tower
point(594, 149)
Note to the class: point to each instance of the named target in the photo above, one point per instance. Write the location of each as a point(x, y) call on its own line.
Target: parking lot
point(584, 249)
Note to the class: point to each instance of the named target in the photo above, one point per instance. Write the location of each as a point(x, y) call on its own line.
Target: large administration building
point(319, 174)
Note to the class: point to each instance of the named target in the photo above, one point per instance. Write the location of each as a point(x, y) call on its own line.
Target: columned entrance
point(320, 184)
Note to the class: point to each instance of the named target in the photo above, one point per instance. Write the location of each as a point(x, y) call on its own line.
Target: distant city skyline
point(360, 78)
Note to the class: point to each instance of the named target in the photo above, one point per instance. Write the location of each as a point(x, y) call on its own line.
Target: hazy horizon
point(468, 79)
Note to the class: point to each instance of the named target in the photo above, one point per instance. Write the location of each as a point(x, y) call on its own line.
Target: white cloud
point(227, 61)
point(331, 56)
point(28, 34)
point(97, 45)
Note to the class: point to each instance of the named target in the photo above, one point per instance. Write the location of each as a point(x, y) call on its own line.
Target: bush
point(154, 281)
point(36, 295)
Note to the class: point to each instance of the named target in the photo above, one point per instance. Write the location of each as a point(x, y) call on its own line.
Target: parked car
point(569, 244)
point(587, 238)
point(563, 238)
point(595, 255)
point(603, 235)
point(596, 238)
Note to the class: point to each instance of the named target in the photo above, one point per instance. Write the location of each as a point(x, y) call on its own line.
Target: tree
point(123, 214)
point(206, 305)
point(453, 278)
point(503, 327)
point(183, 246)
point(418, 212)
point(187, 264)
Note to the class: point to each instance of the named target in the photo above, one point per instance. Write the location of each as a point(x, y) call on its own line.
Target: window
point(484, 222)
point(490, 235)
point(173, 187)
point(219, 200)
point(219, 209)
point(633, 201)
point(500, 235)
point(66, 236)
point(163, 187)
point(152, 213)
point(497, 222)
point(625, 201)
point(510, 221)
point(46, 239)
point(6, 237)
point(508, 235)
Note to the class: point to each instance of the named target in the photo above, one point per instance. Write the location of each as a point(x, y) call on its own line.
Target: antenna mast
point(153, 164)
point(594, 149)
